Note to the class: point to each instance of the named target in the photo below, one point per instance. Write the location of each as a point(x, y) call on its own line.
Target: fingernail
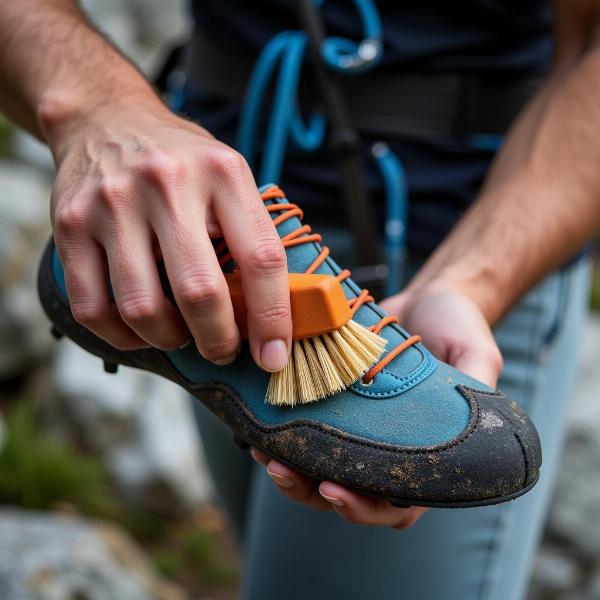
point(332, 500)
point(273, 355)
point(225, 361)
point(281, 480)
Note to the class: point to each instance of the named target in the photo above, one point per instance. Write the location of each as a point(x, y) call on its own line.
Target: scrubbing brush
point(330, 351)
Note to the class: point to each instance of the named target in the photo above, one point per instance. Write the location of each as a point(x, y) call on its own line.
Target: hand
point(454, 329)
point(136, 182)
point(452, 326)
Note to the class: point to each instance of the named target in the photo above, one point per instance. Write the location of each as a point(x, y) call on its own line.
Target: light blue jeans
point(295, 553)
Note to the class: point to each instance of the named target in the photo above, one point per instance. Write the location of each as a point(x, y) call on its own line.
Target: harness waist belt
point(387, 103)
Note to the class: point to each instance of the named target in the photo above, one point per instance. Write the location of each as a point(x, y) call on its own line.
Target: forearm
point(56, 69)
point(541, 201)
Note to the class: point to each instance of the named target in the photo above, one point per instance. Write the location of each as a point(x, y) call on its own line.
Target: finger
point(138, 292)
point(395, 305)
point(86, 278)
point(483, 361)
point(199, 287)
point(295, 486)
point(256, 247)
point(363, 510)
point(260, 457)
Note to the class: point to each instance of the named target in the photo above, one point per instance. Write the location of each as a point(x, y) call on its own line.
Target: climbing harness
point(282, 59)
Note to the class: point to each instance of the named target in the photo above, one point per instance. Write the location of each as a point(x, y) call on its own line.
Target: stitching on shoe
point(468, 393)
point(424, 370)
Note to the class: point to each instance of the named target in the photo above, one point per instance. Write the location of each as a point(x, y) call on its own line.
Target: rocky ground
point(568, 563)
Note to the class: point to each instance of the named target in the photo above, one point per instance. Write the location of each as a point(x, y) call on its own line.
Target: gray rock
point(47, 557)
point(24, 230)
point(554, 573)
point(590, 590)
point(141, 424)
point(575, 511)
point(143, 29)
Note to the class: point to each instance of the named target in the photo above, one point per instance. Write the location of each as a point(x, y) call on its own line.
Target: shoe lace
point(304, 235)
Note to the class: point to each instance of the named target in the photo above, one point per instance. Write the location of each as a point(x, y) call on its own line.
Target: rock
point(142, 425)
point(554, 573)
point(590, 590)
point(145, 30)
point(31, 151)
point(576, 503)
point(24, 230)
point(49, 557)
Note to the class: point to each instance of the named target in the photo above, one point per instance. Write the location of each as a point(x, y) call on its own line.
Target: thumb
point(482, 362)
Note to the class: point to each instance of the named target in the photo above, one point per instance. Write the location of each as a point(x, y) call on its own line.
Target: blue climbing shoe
point(413, 430)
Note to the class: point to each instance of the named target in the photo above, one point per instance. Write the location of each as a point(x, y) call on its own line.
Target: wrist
point(64, 114)
point(478, 282)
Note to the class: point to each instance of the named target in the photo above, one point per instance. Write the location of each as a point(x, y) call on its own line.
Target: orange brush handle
point(318, 304)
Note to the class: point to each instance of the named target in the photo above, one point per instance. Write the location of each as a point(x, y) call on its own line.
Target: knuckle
point(201, 290)
point(275, 313)
point(229, 164)
point(217, 349)
point(114, 192)
point(268, 256)
point(165, 170)
point(87, 314)
point(138, 309)
point(70, 219)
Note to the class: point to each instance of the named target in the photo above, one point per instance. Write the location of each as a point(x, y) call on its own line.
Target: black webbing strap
point(344, 142)
point(386, 103)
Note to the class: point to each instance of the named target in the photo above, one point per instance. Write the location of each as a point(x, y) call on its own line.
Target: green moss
point(39, 472)
point(6, 132)
point(167, 562)
point(202, 552)
point(595, 291)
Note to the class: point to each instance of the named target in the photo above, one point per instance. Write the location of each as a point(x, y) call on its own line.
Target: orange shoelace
point(304, 235)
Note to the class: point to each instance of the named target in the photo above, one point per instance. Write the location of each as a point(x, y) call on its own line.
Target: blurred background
point(104, 492)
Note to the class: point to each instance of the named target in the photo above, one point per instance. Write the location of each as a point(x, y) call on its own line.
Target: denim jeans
point(293, 552)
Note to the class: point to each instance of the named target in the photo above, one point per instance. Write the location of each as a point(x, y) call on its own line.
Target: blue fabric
point(294, 552)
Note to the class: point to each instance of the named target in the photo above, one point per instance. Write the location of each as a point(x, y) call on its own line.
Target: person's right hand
point(138, 181)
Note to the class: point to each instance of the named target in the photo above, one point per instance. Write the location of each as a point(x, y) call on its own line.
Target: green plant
point(201, 551)
point(6, 131)
point(595, 289)
point(39, 472)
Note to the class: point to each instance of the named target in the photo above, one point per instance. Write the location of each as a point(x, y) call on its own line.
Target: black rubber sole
point(220, 399)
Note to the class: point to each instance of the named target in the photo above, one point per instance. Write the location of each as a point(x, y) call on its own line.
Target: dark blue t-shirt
point(509, 36)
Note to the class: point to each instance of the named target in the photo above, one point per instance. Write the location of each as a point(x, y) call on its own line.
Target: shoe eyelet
point(369, 384)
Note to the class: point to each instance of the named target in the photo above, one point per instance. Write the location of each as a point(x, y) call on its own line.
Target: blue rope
point(282, 57)
point(394, 180)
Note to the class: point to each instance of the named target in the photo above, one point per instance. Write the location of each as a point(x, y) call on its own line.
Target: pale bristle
point(324, 365)
point(331, 376)
point(320, 385)
point(367, 344)
point(282, 386)
point(339, 361)
point(304, 379)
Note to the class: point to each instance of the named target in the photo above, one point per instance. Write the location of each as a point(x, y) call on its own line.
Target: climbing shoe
point(411, 429)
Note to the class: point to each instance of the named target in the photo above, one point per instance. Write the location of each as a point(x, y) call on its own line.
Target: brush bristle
point(321, 366)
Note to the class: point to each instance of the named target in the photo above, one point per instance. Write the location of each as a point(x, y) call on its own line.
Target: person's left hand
point(455, 330)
